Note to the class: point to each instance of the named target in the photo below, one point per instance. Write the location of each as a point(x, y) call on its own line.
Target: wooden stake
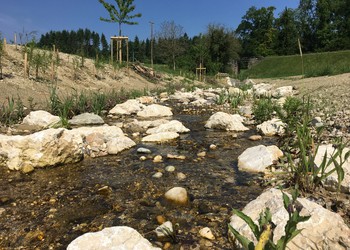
point(16, 40)
point(5, 45)
point(25, 64)
point(301, 56)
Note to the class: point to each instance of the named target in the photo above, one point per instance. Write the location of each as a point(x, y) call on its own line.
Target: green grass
point(316, 64)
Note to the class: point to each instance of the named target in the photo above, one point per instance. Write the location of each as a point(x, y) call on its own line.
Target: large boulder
point(172, 126)
point(45, 148)
point(224, 121)
point(324, 229)
point(86, 119)
point(41, 119)
point(155, 110)
point(272, 127)
point(129, 107)
point(121, 237)
point(331, 182)
point(258, 158)
point(118, 144)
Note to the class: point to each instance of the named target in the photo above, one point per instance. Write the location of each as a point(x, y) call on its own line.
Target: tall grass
point(315, 64)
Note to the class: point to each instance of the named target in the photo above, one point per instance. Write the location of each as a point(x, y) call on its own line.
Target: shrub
point(263, 109)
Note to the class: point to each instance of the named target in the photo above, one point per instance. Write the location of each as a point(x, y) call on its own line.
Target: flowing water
point(50, 207)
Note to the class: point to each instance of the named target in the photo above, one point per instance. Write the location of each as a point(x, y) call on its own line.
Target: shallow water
point(50, 207)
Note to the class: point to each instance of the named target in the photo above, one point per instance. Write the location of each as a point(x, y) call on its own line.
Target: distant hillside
point(316, 64)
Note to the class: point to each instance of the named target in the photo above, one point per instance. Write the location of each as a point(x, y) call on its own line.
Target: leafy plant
point(263, 231)
point(263, 109)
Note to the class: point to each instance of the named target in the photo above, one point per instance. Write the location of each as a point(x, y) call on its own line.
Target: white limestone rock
point(41, 119)
point(161, 137)
point(177, 195)
point(86, 119)
point(118, 144)
point(324, 230)
point(272, 127)
point(262, 89)
point(258, 158)
point(283, 92)
point(155, 110)
point(121, 237)
point(224, 121)
point(172, 126)
point(129, 107)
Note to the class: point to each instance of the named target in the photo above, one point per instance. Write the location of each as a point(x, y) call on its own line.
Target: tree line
point(320, 25)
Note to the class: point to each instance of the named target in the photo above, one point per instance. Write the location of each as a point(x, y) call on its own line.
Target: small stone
point(206, 233)
point(181, 176)
point(144, 151)
point(157, 159)
point(105, 190)
point(136, 134)
point(170, 168)
point(27, 169)
point(212, 147)
point(160, 219)
point(157, 175)
point(178, 157)
point(52, 201)
point(167, 245)
point(2, 210)
point(164, 230)
point(255, 138)
point(202, 154)
point(177, 195)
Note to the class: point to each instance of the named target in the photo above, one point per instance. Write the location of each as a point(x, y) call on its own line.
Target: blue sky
point(193, 15)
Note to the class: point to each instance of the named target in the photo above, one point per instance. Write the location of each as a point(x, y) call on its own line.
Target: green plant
point(54, 101)
point(263, 231)
point(235, 100)
point(98, 103)
point(40, 61)
point(222, 98)
point(263, 109)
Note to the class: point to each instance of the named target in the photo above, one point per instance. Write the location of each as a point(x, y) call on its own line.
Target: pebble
point(144, 151)
point(164, 229)
point(181, 176)
point(170, 168)
point(206, 233)
point(255, 138)
point(202, 154)
point(160, 219)
point(177, 195)
point(157, 175)
point(143, 158)
point(27, 169)
point(212, 147)
point(157, 159)
point(178, 157)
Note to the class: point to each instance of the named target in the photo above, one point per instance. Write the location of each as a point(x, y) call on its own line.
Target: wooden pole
point(4, 45)
point(25, 64)
point(111, 51)
point(127, 53)
point(16, 40)
point(301, 56)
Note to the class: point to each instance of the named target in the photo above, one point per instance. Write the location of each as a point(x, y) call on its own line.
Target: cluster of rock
point(153, 122)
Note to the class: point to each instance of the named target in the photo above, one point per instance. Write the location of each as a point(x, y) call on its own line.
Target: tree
point(223, 48)
point(105, 46)
point(120, 16)
point(257, 31)
point(287, 36)
point(169, 45)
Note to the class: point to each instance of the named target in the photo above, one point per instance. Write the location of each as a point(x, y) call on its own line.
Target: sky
point(24, 16)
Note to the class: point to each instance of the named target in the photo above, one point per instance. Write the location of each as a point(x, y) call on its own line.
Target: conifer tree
point(120, 14)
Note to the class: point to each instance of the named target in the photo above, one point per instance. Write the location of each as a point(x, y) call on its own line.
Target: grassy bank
point(316, 64)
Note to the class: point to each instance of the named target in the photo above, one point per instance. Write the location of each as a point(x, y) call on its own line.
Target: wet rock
point(86, 119)
point(157, 159)
point(324, 229)
point(155, 110)
point(202, 154)
point(181, 176)
point(144, 151)
point(141, 126)
point(165, 230)
point(41, 119)
point(111, 238)
point(331, 182)
point(161, 137)
point(127, 108)
point(172, 126)
point(170, 169)
point(258, 158)
point(177, 195)
point(272, 127)
point(206, 233)
point(158, 175)
point(118, 144)
point(255, 138)
point(224, 121)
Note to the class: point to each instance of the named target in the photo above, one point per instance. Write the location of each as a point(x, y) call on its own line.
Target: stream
point(50, 207)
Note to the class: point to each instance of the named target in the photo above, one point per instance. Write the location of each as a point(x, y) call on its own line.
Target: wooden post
point(16, 40)
point(301, 56)
point(25, 64)
point(4, 45)
point(111, 51)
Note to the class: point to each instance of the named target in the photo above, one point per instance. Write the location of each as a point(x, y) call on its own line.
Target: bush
point(264, 109)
